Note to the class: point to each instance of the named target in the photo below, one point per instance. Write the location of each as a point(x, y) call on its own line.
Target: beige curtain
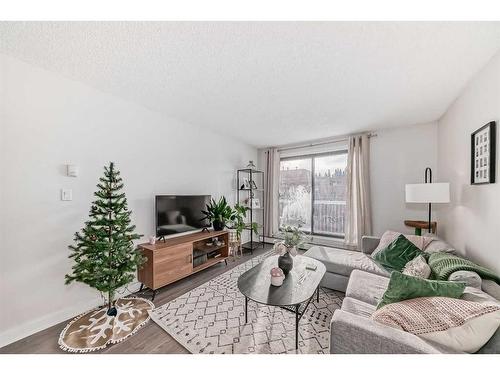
point(358, 215)
point(272, 159)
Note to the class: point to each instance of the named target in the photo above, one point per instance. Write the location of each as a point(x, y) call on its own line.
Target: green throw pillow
point(399, 252)
point(402, 287)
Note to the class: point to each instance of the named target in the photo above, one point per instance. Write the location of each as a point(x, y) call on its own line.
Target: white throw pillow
point(389, 236)
point(417, 267)
point(462, 326)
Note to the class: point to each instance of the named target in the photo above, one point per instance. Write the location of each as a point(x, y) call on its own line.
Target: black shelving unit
point(249, 194)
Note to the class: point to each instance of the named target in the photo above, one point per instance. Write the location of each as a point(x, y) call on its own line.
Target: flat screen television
point(176, 214)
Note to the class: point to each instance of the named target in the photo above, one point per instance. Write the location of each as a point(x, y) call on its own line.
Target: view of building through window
point(312, 193)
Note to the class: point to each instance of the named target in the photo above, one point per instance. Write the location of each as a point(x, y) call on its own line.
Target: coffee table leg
point(317, 295)
point(297, 318)
point(246, 309)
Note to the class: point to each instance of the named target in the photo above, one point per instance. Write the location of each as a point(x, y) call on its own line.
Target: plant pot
point(285, 262)
point(218, 225)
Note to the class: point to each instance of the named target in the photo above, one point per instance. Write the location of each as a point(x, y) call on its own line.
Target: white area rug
point(211, 319)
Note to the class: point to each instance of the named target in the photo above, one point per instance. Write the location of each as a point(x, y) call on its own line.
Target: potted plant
point(217, 213)
point(237, 221)
point(287, 248)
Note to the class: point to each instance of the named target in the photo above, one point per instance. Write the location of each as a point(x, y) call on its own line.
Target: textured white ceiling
point(268, 83)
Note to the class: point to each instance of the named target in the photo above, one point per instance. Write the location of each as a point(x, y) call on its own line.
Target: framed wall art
point(483, 154)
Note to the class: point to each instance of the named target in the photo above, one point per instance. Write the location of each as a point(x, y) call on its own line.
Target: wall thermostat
point(72, 170)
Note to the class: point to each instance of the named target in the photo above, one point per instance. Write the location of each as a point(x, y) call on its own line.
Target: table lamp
point(428, 192)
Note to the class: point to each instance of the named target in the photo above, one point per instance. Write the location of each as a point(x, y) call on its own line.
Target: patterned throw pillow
point(417, 267)
point(389, 236)
point(463, 326)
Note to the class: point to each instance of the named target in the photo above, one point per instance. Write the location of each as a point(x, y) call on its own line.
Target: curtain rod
point(335, 140)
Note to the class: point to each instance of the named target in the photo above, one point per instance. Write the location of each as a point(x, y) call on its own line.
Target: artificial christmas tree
point(104, 253)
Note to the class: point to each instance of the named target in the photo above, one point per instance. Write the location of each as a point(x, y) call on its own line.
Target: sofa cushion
point(357, 307)
point(366, 287)
point(343, 262)
point(403, 287)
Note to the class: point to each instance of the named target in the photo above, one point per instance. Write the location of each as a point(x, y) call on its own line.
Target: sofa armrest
point(369, 243)
point(354, 334)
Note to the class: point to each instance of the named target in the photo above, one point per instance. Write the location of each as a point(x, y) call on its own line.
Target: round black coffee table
point(294, 295)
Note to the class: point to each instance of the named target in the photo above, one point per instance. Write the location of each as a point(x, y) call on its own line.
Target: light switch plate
point(66, 194)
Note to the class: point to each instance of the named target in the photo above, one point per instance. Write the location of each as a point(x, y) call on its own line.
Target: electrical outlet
point(66, 194)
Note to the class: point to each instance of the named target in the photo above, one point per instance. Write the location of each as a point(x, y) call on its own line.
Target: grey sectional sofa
point(364, 282)
point(352, 331)
point(340, 263)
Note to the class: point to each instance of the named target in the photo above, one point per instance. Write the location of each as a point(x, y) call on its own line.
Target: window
point(312, 193)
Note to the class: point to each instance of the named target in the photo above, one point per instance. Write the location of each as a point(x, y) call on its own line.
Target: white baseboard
point(26, 329)
point(44, 322)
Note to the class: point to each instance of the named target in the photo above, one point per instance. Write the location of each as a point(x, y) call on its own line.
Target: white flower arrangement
point(281, 249)
point(292, 238)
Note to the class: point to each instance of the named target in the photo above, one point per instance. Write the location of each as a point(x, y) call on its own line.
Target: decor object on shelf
point(94, 330)
point(256, 203)
point(253, 185)
point(104, 253)
point(245, 185)
point(483, 155)
point(429, 193)
point(217, 213)
point(287, 248)
point(251, 165)
point(277, 276)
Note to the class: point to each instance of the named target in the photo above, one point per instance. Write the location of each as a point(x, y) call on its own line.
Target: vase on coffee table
point(285, 262)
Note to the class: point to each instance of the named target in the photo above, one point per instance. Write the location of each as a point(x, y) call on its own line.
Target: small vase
point(285, 262)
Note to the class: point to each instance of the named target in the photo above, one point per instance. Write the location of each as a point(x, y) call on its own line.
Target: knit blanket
point(444, 264)
point(430, 314)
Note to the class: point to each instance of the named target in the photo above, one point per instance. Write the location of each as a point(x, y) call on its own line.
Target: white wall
point(48, 121)
point(472, 221)
point(399, 156)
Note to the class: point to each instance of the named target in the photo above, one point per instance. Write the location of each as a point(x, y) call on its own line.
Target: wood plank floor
point(151, 338)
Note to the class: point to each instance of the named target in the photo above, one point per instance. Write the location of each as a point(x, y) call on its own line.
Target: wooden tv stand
point(172, 259)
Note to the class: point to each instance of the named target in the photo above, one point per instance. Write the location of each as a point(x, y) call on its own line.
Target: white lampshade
point(428, 193)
